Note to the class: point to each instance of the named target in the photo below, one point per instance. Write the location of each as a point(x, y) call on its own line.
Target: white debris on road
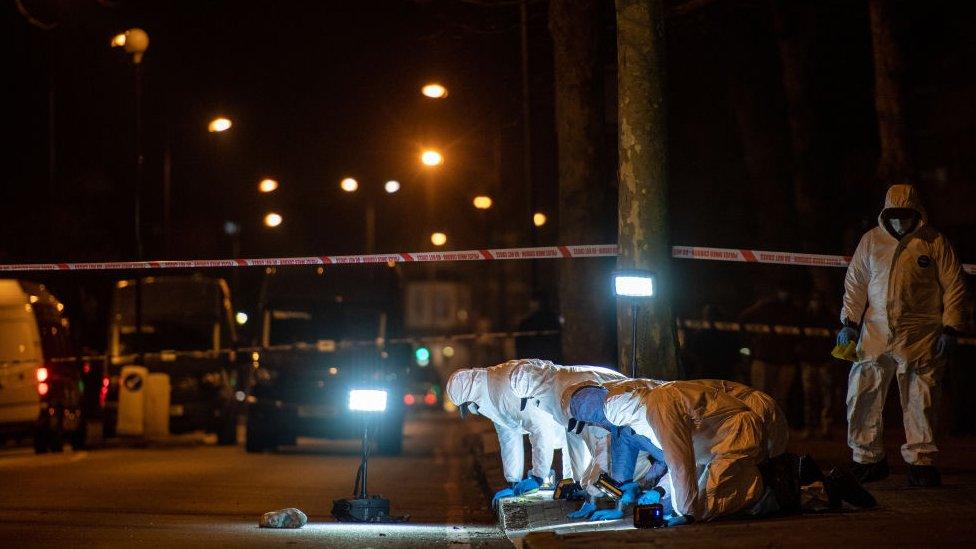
point(284, 518)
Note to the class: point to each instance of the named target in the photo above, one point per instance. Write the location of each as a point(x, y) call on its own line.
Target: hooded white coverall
point(776, 431)
point(491, 390)
point(544, 383)
point(712, 443)
point(902, 292)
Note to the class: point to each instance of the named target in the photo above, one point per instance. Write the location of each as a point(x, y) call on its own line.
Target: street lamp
point(273, 219)
point(539, 219)
point(434, 91)
point(134, 41)
point(482, 202)
point(349, 185)
point(219, 124)
point(431, 158)
point(635, 286)
point(268, 185)
point(438, 239)
point(391, 186)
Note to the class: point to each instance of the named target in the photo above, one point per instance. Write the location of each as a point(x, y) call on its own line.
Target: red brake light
point(42, 376)
point(42, 389)
point(409, 400)
point(430, 399)
point(86, 368)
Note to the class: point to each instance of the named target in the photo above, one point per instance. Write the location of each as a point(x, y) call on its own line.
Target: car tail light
point(42, 389)
point(430, 399)
point(42, 375)
point(86, 368)
point(409, 400)
point(104, 392)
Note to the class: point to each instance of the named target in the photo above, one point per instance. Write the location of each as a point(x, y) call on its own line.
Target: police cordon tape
point(497, 254)
point(777, 329)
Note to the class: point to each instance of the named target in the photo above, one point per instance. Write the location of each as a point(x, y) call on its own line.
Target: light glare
point(539, 219)
point(391, 186)
point(434, 91)
point(241, 318)
point(219, 124)
point(431, 158)
point(482, 202)
point(349, 185)
point(633, 286)
point(438, 239)
point(268, 185)
point(272, 219)
point(367, 400)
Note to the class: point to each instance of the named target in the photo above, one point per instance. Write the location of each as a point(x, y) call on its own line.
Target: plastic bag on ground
point(284, 518)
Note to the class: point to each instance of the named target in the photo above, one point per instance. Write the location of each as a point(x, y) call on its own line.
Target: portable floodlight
point(363, 507)
point(634, 285)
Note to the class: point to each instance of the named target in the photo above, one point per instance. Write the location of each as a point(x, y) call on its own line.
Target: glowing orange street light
point(219, 124)
point(268, 185)
point(539, 219)
point(134, 41)
point(438, 239)
point(349, 185)
point(482, 202)
point(431, 158)
point(273, 220)
point(434, 91)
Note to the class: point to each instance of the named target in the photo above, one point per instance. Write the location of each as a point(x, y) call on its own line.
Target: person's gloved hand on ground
point(651, 496)
point(587, 509)
point(506, 492)
point(947, 343)
point(608, 514)
point(846, 335)
point(528, 485)
point(680, 520)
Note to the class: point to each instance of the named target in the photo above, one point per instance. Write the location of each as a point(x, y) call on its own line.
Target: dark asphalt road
point(190, 493)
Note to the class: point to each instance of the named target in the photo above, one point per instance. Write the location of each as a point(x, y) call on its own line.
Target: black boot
point(924, 475)
point(870, 472)
point(841, 486)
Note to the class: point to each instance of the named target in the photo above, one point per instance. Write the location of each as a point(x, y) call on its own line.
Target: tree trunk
point(584, 207)
point(810, 187)
point(644, 228)
point(894, 164)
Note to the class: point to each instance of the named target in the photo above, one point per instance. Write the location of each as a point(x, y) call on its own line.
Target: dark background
point(323, 90)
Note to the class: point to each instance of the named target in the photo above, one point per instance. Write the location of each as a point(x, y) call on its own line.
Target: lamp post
point(634, 286)
point(351, 185)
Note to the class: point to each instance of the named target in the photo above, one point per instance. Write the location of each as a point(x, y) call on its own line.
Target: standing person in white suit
point(488, 392)
point(904, 305)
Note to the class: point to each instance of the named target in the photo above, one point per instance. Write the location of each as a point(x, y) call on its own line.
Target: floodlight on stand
point(634, 285)
point(369, 403)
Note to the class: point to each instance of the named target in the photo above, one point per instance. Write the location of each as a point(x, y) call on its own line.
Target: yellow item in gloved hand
point(845, 352)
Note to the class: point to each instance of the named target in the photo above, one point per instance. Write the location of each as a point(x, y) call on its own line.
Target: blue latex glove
point(583, 512)
point(630, 493)
point(680, 520)
point(846, 335)
point(608, 514)
point(945, 345)
point(528, 485)
point(503, 493)
point(649, 497)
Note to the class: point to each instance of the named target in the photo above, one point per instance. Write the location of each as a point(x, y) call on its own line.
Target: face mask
point(901, 226)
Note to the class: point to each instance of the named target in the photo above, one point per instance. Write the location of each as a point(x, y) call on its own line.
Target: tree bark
point(584, 206)
point(894, 163)
point(644, 228)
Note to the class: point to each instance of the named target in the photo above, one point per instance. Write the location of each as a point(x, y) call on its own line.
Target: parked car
point(186, 331)
point(43, 384)
point(322, 338)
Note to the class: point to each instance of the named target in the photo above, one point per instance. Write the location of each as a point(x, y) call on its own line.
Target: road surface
point(191, 493)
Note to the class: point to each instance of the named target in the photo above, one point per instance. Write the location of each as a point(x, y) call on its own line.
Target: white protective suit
point(902, 292)
point(776, 431)
point(544, 383)
point(712, 443)
point(491, 390)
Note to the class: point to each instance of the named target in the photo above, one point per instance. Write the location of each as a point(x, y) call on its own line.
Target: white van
point(42, 383)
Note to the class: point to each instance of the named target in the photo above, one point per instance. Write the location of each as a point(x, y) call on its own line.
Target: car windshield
point(295, 325)
point(162, 335)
